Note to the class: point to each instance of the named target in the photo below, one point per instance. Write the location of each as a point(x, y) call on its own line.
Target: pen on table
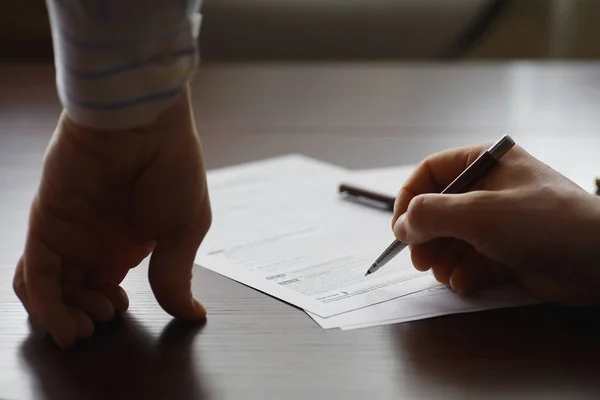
point(474, 172)
point(368, 197)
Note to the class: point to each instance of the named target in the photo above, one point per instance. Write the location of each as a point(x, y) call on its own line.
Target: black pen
point(474, 172)
point(368, 197)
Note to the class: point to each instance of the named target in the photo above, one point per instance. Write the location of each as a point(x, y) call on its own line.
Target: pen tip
point(371, 269)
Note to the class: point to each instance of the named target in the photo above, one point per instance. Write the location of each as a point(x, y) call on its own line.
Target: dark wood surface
point(256, 347)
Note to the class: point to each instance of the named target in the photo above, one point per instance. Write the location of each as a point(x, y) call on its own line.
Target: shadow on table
point(530, 349)
point(121, 361)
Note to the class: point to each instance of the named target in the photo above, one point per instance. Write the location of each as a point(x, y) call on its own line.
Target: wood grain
point(256, 347)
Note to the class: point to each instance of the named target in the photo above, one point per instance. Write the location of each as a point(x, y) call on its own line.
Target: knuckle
point(480, 229)
point(203, 221)
point(401, 202)
point(18, 281)
point(206, 218)
point(416, 214)
point(399, 199)
point(432, 159)
point(208, 221)
point(18, 287)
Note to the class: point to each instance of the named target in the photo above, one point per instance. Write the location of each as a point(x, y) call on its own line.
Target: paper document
point(429, 303)
point(281, 227)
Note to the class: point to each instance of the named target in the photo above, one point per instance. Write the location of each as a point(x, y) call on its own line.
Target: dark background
point(298, 30)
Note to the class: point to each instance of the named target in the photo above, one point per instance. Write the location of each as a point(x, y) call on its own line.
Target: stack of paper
point(281, 227)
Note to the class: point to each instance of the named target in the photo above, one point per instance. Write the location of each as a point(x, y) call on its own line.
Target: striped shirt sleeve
point(120, 63)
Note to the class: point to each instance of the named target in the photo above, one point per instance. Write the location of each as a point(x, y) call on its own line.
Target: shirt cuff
point(121, 63)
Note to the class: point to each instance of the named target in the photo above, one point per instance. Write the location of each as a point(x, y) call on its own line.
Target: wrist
point(176, 118)
point(121, 152)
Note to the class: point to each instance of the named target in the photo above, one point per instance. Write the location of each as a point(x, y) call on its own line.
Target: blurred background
point(297, 30)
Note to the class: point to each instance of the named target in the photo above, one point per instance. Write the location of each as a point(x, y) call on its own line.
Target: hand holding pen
point(523, 222)
point(476, 171)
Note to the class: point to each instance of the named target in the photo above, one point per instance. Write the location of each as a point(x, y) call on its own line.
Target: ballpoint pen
point(367, 197)
point(474, 172)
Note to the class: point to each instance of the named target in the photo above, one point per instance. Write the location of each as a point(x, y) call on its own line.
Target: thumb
point(468, 217)
point(170, 273)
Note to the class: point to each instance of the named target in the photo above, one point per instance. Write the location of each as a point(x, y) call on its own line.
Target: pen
point(474, 172)
point(368, 197)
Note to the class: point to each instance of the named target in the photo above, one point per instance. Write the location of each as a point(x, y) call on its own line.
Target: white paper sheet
point(281, 227)
point(429, 303)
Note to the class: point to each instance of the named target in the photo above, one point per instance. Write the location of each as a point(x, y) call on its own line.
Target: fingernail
point(453, 284)
point(201, 311)
point(400, 229)
point(457, 286)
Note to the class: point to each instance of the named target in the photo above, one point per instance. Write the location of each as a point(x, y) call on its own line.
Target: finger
point(170, 272)
point(41, 271)
point(449, 258)
point(130, 255)
point(476, 272)
point(439, 255)
point(468, 217)
point(113, 292)
point(21, 290)
point(434, 174)
point(425, 255)
point(93, 303)
point(84, 324)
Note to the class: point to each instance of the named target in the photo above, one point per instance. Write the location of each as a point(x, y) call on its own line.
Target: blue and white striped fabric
point(120, 63)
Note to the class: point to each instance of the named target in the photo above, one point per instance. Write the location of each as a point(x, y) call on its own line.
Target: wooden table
point(255, 347)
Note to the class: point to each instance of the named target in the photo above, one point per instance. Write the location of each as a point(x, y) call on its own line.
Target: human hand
point(525, 222)
point(106, 200)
